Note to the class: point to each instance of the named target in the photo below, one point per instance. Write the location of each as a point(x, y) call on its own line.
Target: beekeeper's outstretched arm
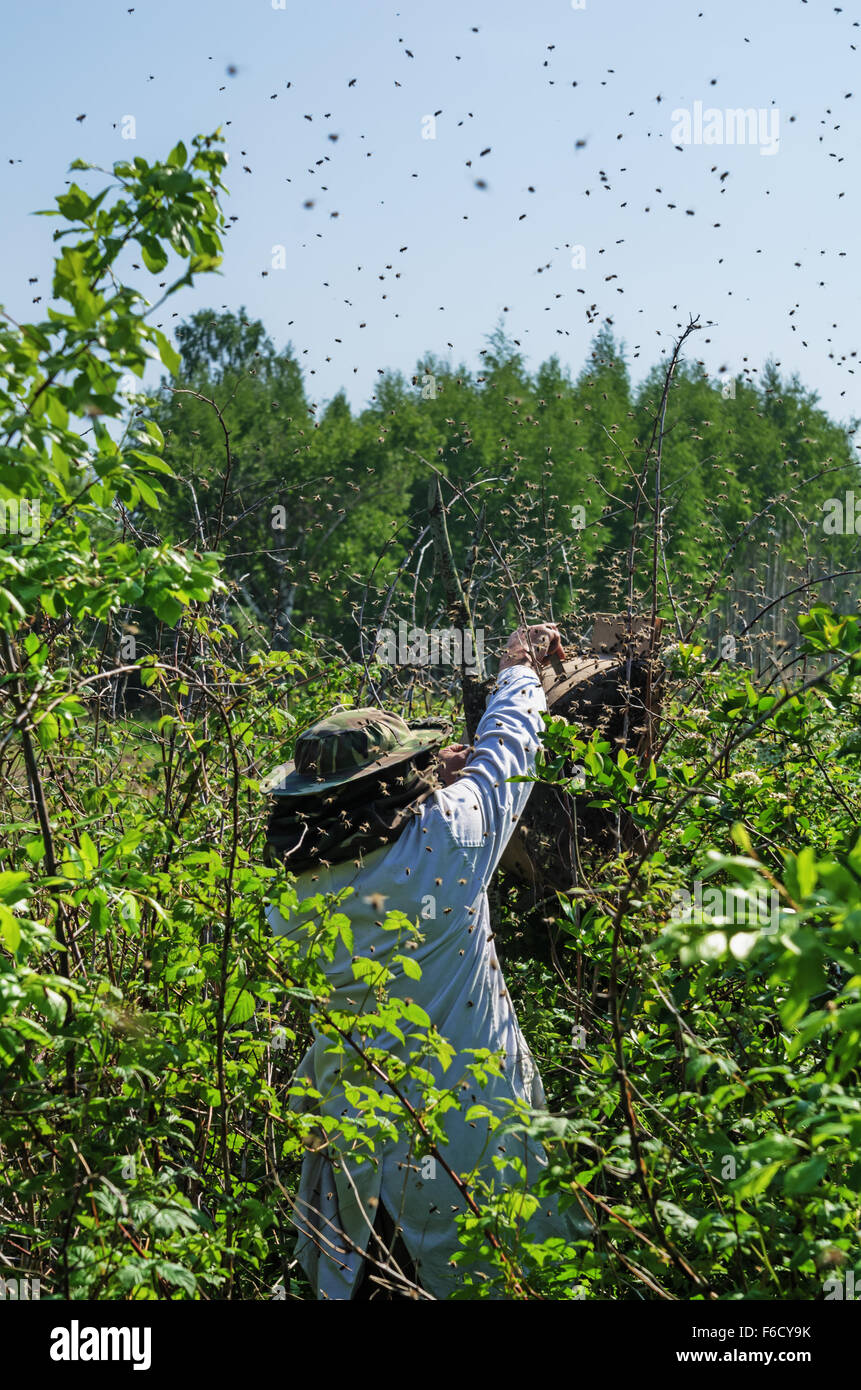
point(481, 804)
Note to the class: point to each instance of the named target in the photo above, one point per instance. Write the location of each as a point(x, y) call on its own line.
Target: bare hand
point(534, 645)
point(452, 761)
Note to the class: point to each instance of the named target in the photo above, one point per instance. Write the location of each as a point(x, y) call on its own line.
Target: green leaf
point(10, 929)
point(178, 156)
point(803, 1177)
point(153, 253)
point(12, 885)
point(47, 730)
point(409, 965)
point(89, 853)
point(169, 356)
point(239, 1006)
point(754, 1183)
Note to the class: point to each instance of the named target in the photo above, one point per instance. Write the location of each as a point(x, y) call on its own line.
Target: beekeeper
point(379, 806)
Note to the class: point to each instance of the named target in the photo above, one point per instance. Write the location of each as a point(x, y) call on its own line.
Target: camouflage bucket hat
point(348, 745)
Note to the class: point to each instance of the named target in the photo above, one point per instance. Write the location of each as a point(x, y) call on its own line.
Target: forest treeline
point(319, 509)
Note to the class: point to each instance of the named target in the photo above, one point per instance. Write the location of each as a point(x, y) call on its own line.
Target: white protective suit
point(458, 837)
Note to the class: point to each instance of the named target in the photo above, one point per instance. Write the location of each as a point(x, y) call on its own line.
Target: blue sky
point(778, 276)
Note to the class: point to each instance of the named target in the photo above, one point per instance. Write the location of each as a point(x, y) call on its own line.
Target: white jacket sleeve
point(483, 806)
